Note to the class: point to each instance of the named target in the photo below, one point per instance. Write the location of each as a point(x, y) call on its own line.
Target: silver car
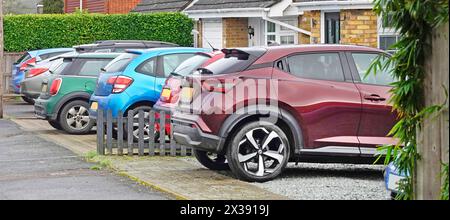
point(30, 87)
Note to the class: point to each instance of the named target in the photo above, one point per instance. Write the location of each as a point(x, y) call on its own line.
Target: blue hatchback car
point(134, 80)
point(32, 57)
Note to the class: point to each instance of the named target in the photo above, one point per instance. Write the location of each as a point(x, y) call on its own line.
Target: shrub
point(30, 32)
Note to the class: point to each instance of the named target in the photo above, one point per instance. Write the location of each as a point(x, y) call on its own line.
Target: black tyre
point(146, 110)
point(74, 118)
point(259, 152)
point(28, 100)
point(212, 161)
point(55, 125)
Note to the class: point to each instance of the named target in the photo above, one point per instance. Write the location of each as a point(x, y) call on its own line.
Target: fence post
point(120, 133)
point(100, 133)
point(109, 127)
point(151, 140)
point(173, 146)
point(141, 132)
point(130, 121)
point(162, 133)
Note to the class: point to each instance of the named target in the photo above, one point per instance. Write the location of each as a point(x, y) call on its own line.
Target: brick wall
point(309, 21)
point(102, 6)
point(121, 6)
point(359, 27)
point(235, 32)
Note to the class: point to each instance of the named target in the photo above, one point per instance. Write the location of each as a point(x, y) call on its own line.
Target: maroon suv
point(259, 108)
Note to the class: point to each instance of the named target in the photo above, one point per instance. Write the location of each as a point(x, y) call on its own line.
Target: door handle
point(374, 98)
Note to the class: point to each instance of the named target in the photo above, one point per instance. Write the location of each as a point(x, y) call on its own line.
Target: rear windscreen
point(191, 64)
point(57, 66)
point(120, 63)
point(24, 58)
point(232, 63)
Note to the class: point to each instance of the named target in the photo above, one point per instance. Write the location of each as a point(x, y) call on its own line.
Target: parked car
point(34, 75)
point(392, 179)
point(133, 81)
point(64, 101)
point(318, 106)
point(170, 94)
point(119, 46)
point(32, 57)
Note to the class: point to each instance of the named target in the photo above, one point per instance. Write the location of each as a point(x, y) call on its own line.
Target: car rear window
point(120, 63)
point(57, 66)
point(236, 61)
point(24, 58)
point(191, 64)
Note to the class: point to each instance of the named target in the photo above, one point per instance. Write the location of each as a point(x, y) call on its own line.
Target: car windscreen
point(190, 65)
point(232, 63)
point(120, 63)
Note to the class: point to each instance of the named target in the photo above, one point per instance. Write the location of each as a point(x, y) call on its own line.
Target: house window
point(332, 28)
point(281, 34)
point(386, 41)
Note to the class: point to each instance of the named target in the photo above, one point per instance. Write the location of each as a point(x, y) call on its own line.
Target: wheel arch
point(285, 120)
point(83, 96)
point(139, 104)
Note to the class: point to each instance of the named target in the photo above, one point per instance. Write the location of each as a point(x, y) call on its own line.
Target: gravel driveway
point(330, 182)
point(313, 181)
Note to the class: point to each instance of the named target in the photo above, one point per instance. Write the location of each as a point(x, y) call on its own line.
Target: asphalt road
point(32, 168)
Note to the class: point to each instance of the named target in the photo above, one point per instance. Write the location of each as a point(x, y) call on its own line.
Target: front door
point(332, 27)
point(377, 117)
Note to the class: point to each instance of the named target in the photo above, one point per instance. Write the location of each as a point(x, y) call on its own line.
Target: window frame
point(155, 67)
point(354, 68)
point(346, 72)
point(160, 63)
point(279, 32)
point(75, 67)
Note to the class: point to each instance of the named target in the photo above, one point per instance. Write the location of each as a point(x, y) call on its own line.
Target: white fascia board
point(333, 5)
point(278, 9)
point(227, 13)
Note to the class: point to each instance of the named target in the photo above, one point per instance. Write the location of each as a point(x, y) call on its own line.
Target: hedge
point(29, 32)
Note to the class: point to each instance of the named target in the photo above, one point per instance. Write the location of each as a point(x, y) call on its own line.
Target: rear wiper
point(175, 74)
point(204, 71)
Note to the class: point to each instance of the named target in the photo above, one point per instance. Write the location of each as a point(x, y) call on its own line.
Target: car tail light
point(56, 85)
point(36, 72)
point(24, 65)
point(120, 83)
point(171, 91)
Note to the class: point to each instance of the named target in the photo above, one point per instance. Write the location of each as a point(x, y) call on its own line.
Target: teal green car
point(64, 101)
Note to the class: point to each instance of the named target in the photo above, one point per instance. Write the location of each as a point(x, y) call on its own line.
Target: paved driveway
point(32, 168)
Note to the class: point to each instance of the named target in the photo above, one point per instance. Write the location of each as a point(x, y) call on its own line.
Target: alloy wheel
point(78, 117)
point(261, 152)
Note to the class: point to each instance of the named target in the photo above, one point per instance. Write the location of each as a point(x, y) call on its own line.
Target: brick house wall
point(235, 32)
point(309, 21)
point(101, 6)
point(359, 27)
point(121, 6)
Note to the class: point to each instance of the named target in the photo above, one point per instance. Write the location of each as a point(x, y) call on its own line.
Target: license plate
point(166, 93)
point(44, 88)
point(393, 182)
point(94, 106)
point(187, 93)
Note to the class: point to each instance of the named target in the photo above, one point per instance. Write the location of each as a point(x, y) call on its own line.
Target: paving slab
point(172, 175)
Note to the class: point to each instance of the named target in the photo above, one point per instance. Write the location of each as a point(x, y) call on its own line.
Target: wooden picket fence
point(120, 145)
